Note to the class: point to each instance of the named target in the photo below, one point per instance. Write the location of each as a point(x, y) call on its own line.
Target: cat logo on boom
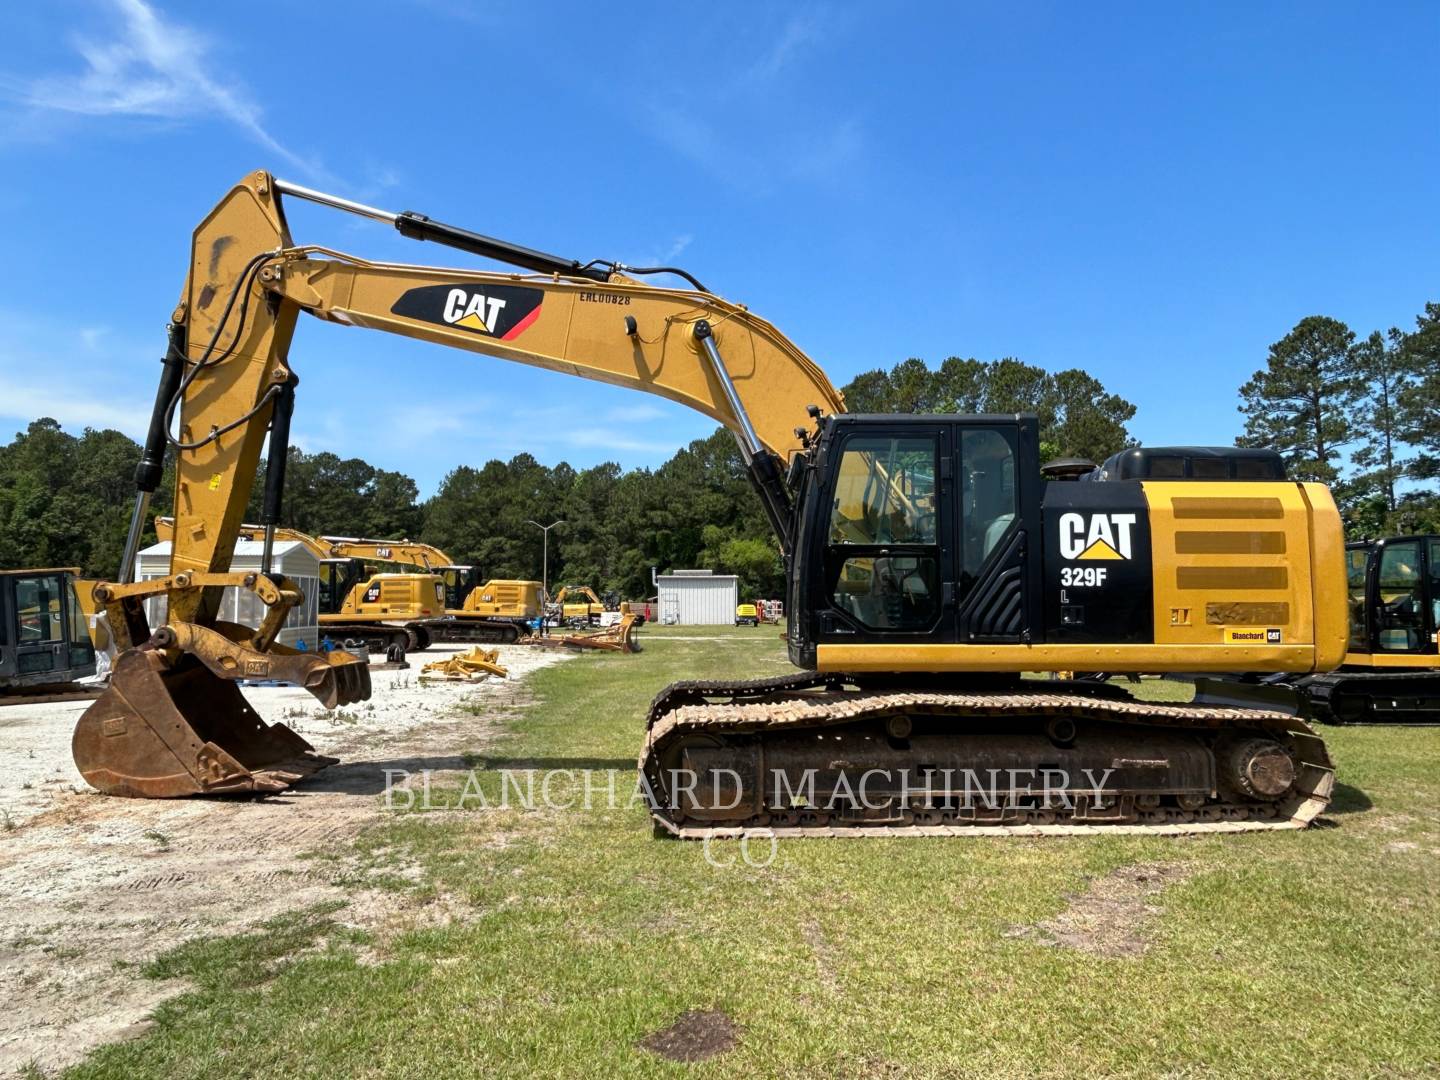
point(496, 311)
point(469, 310)
point(1095, 536)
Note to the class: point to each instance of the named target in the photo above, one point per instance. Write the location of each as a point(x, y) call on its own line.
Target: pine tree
point(1420, 400)
point(1384, 380)
point(1300, 402)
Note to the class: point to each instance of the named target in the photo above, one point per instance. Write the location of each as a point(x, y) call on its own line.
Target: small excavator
point(576, 605)
point(928, 567)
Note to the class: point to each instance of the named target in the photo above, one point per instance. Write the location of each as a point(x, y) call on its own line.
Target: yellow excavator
point(577, 604)
point(1391, 670)
point(475, 608)
point(445, 602)
point(394, 613)
point(44, 642)
point(928, 566)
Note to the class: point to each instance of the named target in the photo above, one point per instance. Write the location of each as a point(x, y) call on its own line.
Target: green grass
point(578, 934)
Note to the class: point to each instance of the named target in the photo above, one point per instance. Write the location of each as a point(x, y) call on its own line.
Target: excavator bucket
point(167, 728)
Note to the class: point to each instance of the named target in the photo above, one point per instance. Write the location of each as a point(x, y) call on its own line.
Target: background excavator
point(393, 613)
point(928, 566)
point(45, 643)
point(576, 605)
point(445, 601)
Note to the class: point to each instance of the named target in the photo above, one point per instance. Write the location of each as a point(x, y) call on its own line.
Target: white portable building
point(290, 558)
point(697, 598)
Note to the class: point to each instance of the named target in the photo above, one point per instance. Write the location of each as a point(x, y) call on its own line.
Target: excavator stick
point(174, 723)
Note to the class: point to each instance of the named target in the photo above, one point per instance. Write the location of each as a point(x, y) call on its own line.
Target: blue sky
point(1154, 193)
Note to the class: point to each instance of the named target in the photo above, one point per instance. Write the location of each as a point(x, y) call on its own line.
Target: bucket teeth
point(165, 729)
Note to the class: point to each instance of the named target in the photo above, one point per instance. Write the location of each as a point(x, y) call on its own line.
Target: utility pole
point(545, 557)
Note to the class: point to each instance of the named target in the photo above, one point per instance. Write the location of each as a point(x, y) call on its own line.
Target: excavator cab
point(43, 639)
point(918, 534)
point(460, 582)
point(1391, 670)
point(337, 578)
point(1394, 590)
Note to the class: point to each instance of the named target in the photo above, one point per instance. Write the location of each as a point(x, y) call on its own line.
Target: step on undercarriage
point(827, 755)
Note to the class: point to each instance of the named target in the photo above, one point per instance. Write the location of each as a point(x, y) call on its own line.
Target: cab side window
point(1401, 618)
point(1355, 563)
point(885, 492)
point(987, 495)
point(885, 497)
point(37, 602)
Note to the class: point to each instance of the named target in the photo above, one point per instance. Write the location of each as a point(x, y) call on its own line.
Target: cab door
point(889, 555)
point(1402, 609)
point(998, 509)
point(40, 620)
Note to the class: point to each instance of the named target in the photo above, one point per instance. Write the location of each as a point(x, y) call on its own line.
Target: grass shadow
point(1347, 799)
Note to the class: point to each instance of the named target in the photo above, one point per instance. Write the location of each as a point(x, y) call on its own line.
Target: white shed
point(290, 558)
point(697, 598)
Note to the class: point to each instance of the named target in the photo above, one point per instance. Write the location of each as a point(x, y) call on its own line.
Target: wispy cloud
point(753, 127)
point(27, 400)
point(662, 256)
point(817, 153)
point(155, 68)
point(613, 440)
point(799, 31)
point(634, 414)
point(81, 377)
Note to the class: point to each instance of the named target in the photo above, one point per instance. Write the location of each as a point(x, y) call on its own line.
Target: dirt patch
point(696, 1036)
point(92, 886)
point(1111, 916)
point(824, 956)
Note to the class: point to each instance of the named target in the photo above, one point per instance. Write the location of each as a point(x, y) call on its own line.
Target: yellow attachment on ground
point(475, 666)
point(617, 638)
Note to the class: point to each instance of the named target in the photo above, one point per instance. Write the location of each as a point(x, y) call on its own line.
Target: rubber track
point(770, 704)
point(1320, 688)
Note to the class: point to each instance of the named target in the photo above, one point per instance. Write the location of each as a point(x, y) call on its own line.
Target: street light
point(545, 558)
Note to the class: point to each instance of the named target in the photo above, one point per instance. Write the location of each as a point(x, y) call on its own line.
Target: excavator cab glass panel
point(82, 650)
point(337, 578)
point(885, 492)
point(37, 599)
point(39, 631)
point(1432, 580)
point(884, 544)
point(1402, 617)
point(1357, 561)
point(988, 500)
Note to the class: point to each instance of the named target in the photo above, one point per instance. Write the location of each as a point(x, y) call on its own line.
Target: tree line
point(65, 499)
point(1358, 414)
point(1354, 413)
